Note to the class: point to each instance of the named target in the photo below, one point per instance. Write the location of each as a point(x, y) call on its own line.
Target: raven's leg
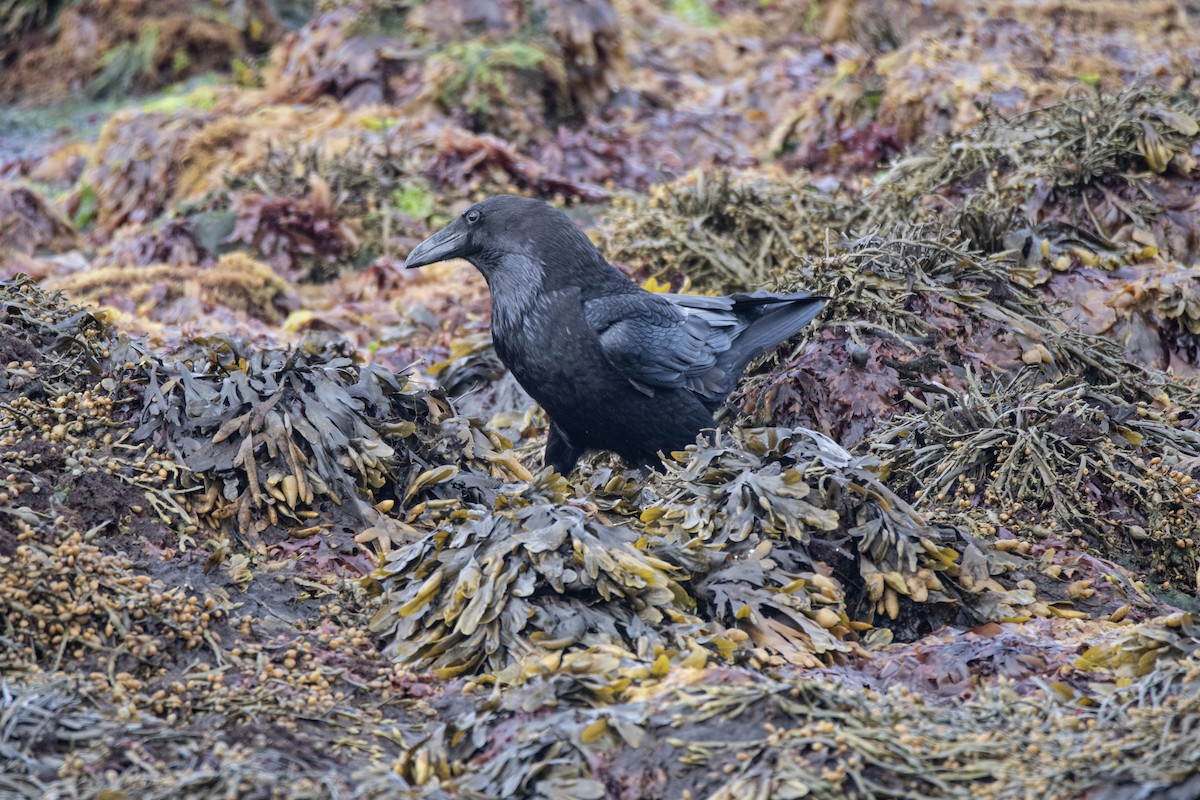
point(560, 453)
point(647, 464)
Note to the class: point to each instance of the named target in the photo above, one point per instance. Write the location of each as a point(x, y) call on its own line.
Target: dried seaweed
point(28, 223)
point(1158, 646)
point(723, 233)
point(731, 733)
point(1092, 464)
point(168, 292)
point(776, 543)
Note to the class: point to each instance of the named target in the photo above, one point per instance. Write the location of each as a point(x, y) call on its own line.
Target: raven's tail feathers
point(778, 318)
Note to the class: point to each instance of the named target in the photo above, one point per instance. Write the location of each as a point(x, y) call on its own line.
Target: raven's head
point(512, 239)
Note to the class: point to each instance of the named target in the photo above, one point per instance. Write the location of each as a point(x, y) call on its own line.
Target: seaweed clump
point(909, 77)
point(534, 62)
point(942, 357)
point(1087, 161)
point(68, 596)
point(729, 731)
point(534, 576)
point(177, 293)
point(138, 164)
point(723, 233)
point(368, 179)
point(125, 46)
point(913, 311)
point(775, 546)
point(807, 547)
point(984, 402)
point(280, 438)
point(1091, 195)
point(1081, 465)
point(303, 238)
point(31, 224)
point(518, 68)
point(99, 643)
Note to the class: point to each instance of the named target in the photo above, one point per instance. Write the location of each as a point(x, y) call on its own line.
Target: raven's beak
point(442, 246)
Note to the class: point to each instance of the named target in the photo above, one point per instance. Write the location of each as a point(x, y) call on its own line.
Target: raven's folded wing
point(761, 321)
point(656, 344)
point(671, 341)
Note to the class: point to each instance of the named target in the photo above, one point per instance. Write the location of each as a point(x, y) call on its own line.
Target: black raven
point(615, 367)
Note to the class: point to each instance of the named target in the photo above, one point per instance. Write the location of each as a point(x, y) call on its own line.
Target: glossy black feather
point(615, 367)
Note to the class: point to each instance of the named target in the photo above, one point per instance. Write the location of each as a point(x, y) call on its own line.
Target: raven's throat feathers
point(515, 282)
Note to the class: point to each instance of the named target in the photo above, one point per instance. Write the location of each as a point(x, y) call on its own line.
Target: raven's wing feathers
point(767, 319)
point(650, 341)
point(670, 341)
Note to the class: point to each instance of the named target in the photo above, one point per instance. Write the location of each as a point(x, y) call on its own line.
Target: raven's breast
point(556, 357)
point(552, 352)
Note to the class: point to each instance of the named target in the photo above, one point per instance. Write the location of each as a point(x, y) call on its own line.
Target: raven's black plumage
point(616, 367)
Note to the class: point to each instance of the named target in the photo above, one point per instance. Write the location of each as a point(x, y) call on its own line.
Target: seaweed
point(723, 233)
point(171, 291)
point(30, 223)
point(773, 545)
point(1088, 463)
point(940, 545)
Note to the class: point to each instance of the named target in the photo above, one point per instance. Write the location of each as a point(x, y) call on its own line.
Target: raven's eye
point(472, 216)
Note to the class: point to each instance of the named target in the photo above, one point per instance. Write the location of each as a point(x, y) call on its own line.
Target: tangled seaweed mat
point(773, 545)
point(187, 525)
point(126, 580)
point(1088, 201)
point(307, 442)
point(718, 733)
point(773, 549)
point(950, 347)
